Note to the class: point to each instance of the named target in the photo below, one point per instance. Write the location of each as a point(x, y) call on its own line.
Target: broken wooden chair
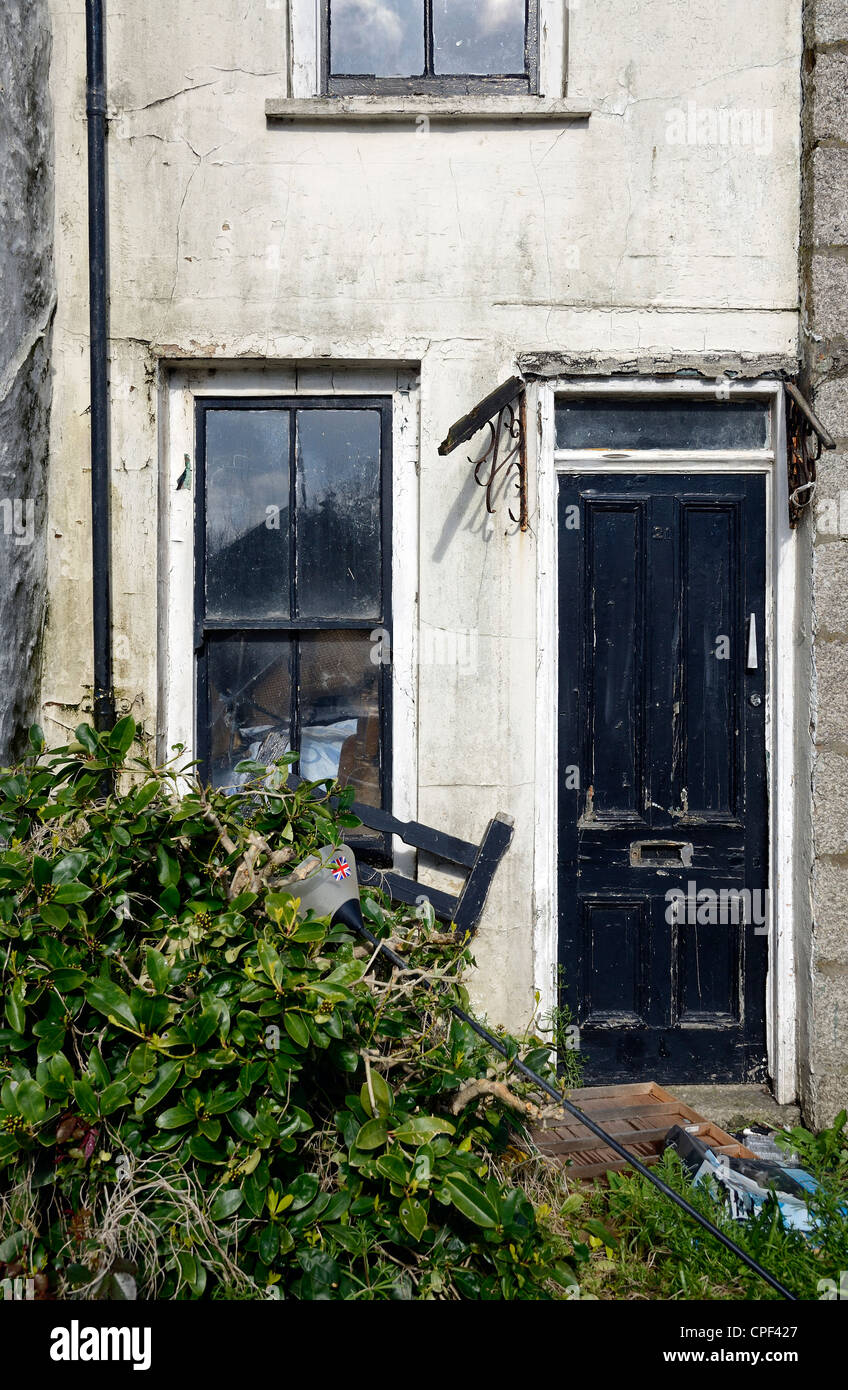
point(479, 861)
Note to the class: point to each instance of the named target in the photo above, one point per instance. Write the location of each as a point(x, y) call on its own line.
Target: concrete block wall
point(824, 300)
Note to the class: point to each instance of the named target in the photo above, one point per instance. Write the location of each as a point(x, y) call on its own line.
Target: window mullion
point(428, 39)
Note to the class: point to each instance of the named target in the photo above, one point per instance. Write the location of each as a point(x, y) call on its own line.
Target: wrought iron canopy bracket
point(806, 436)
point(504, 414)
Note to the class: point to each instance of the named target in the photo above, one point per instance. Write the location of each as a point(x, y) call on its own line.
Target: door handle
point(753, 657)
point(660, 854)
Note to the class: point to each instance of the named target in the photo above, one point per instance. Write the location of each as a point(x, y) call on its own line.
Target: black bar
point(490, 406)
point(412, 832)
point(410, 891)
point(590, 1124)
point(472, 899)
point(828, 442)
point(104, 697)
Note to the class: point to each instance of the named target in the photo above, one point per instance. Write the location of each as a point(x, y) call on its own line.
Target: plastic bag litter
point(747, 1183)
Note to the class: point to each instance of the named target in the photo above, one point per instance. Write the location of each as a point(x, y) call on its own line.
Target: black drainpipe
point(95, 105)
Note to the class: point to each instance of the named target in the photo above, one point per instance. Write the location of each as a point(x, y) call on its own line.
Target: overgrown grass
point(628, 1241)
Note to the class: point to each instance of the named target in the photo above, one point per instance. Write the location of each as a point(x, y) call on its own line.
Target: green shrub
point(204, 1090)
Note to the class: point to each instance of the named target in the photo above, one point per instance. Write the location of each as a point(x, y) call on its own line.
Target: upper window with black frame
point(430, 46)
point(292, 578)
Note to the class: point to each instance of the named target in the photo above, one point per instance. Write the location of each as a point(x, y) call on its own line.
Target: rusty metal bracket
point(806, 436)
point(504, 414)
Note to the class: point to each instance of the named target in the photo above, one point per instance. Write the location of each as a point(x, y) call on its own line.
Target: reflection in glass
point(338, 514)
point(340, 712)
point(247, 513)
point(661, 424)
point(480, 37)
point(249, 702)
point(377, 38)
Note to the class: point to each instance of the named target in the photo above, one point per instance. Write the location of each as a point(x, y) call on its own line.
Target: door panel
point(662, 796)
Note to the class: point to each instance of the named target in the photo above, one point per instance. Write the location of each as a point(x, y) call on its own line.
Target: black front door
point(662, 833)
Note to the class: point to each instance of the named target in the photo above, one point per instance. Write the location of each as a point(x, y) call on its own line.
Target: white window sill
point(391, 109)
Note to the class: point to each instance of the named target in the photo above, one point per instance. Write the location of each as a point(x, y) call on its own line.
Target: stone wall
point(824, 294)
point(27, 301)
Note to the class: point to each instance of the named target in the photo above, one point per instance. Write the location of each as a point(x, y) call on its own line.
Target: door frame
point(780, 654)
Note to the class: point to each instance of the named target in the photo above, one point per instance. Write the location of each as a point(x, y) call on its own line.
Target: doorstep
point(734, 1107)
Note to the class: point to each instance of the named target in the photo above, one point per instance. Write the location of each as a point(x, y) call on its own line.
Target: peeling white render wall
point(456, 247)
point(27, 302)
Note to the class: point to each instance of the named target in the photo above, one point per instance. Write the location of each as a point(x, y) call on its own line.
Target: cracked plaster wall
point(457, 248)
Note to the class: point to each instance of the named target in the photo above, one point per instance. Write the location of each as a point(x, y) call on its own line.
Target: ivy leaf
point(226, 1203)
point(471, 1201)
point(176, 1118)
point(167, 868)
point(15, 1007)
point(113, 1097)
point(383, 1097)
point(162, 1083)
point(204, 1150)
point(109, 999)
point(301, 1192)
point(270, 962)
point(30, 1101)
point(421, 1128)
point(85, 1097)
point(72, 893)
point(392, 1166)
point(144, 796)
point(413, 1216)
point(269, 1244)
point(296, 1029)
point(70, 867)
point(121, 737)
point(157, 969)
point(372, 1135)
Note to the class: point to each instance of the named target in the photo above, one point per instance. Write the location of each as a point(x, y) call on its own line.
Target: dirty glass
point(598, 423)
point(484, 37)
point(247, 514)
point(250, 687)
point(340, 711)
point(376, 38)
point(338, 510)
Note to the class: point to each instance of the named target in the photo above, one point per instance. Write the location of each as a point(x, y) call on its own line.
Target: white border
point(304, 30)
point(780, 647)
point(181, 388)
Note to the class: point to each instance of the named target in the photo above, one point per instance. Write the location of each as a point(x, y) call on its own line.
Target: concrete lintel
point(547, 365)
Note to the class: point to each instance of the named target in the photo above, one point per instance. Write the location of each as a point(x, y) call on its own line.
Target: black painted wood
point(481, 861)
point(662, 775)
point(464, 911)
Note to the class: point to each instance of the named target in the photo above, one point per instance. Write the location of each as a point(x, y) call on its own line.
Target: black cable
point(574, 1111)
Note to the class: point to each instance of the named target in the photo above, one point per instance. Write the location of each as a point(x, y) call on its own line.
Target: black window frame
point(430, 83)
point(375, 849)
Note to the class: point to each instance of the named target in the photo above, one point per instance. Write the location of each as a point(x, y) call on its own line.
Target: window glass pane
point(247, 514)
point(376, 38)
point(338, 514)
point(661, 424)
point(482, 37)
point(340, 712)
point(249, 702)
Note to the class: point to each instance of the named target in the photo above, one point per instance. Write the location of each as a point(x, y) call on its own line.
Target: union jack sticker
point(340, 868)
